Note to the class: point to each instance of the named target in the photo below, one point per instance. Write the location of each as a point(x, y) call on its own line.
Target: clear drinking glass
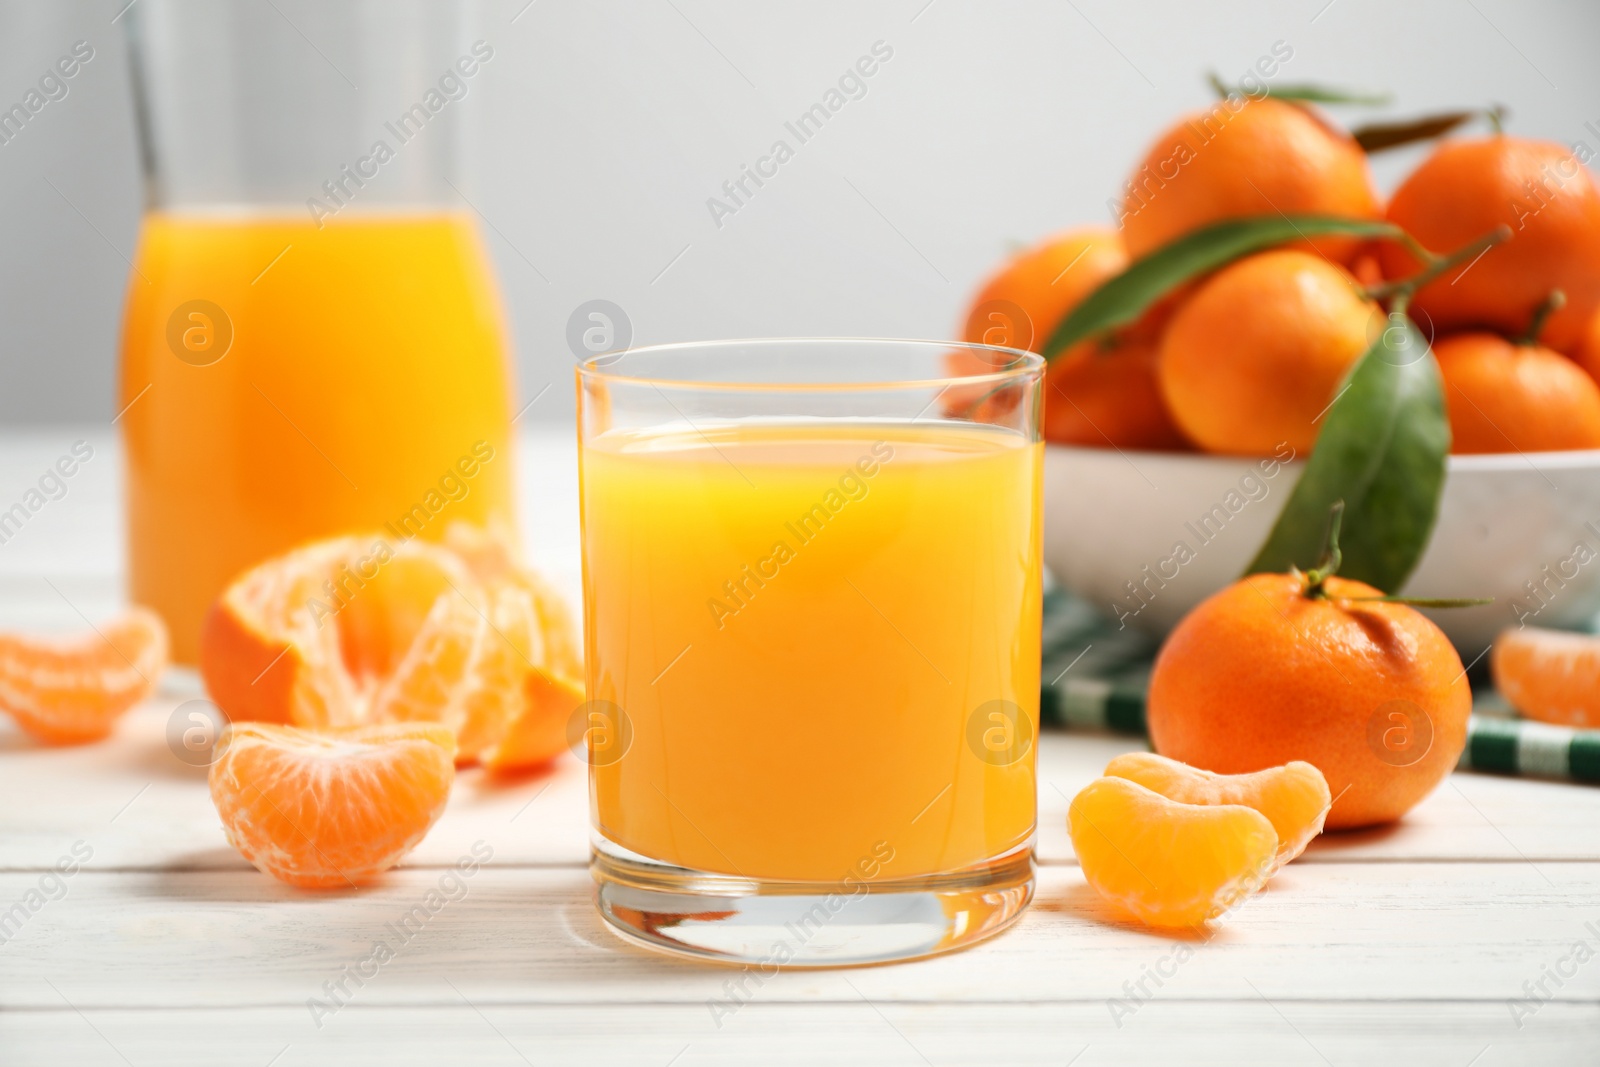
point(313, 336)
point(812, 627)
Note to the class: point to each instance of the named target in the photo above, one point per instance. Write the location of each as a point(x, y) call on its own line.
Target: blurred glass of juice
point(313, 340)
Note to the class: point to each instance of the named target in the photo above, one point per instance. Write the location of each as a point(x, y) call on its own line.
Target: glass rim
point(1023, 364)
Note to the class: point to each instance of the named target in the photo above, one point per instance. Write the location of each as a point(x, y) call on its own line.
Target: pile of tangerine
point(1249, 357)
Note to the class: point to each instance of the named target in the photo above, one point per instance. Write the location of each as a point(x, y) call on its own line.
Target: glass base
point(773, 925)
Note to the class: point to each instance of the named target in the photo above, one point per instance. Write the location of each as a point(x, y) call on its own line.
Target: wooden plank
point(1370, 932)
point(1418, 1033)
point(137, 805)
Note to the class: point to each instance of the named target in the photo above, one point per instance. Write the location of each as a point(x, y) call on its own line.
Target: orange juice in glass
point(812, 610)
point(312, 342)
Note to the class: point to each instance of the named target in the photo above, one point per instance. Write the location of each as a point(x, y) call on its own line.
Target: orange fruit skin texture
point(1265, 158)
point(68, 692)
point(1046, 282)
point(1551, 202)
point(332, 809)
point(1255, 356)
point(1294, 797)
point(1588, 353)
point(1258, 675)
point(1167, 863)
point(1108, 397)
point(1094, 395)
point(1549, 675)
point(436, 633)
point(1505, 397)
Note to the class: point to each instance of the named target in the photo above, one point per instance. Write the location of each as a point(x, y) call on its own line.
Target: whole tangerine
point(1256, 355)
point(1551, 202)
point(1269, 670)
point(1247, 156)
point(1022, 303)
point(1103, 396)
point(1508, 397)
point(1588, 351)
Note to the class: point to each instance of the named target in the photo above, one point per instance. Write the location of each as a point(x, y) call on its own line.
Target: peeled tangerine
point(1179, 847)
point(73, 690)
point(1549, 675)
point(334, 808)
point(361, 630)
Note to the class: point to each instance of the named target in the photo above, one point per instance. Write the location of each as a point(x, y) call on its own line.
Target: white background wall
point(607, 125)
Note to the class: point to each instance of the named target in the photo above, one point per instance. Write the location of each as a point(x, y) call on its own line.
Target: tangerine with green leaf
point(1314, 667)
point(1551, 203)
point(1043, 283)
point(1100, 393)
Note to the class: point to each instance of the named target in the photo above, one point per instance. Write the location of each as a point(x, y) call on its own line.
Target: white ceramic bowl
point(1524, 529)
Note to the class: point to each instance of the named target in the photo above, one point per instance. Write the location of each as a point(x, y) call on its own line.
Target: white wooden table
point(1414, 945)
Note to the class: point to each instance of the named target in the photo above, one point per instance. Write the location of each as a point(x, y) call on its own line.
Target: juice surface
point(365, 363)
point(801, 623)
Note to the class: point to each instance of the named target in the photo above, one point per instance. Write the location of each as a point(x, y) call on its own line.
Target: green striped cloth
point(1095, 677)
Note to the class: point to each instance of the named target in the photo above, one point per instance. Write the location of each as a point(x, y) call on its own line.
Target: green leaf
point(1311, 94)
point(1382, 450)
point(1120, 300)
point(1321, 94)
point(1377, 136)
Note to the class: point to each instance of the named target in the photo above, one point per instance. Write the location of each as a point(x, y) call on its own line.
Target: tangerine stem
point(1328, 565)
point(1437, 265)
point(1552, 303)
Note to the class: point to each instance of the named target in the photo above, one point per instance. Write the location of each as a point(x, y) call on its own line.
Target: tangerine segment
point(1169, 863)
point(1294, 798)
point(553, 641)
point(465, 668)
point(539, 733)
point(70, 691)
point(1549, 675)
point(330, 809)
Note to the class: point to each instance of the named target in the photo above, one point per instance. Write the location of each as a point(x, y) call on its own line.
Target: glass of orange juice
point(313, 341)
point(812, 624)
